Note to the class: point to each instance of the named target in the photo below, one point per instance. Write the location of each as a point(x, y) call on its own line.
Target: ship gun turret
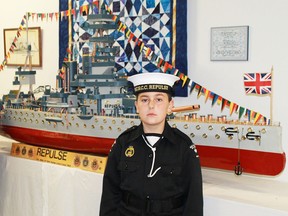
point(186, 108)
point(181, 109)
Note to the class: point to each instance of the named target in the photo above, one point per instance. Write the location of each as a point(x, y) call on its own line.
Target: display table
point(36, 188)
point(226, 194)
point(42, 189)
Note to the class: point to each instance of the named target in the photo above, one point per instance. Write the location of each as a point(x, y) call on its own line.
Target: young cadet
point(152, 169)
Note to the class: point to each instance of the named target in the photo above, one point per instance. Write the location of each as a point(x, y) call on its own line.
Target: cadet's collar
point(167, 133)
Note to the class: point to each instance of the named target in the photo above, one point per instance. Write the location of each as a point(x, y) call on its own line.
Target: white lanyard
point(151, 173)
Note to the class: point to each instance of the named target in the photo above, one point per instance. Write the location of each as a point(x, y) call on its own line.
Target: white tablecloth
point(33, 188)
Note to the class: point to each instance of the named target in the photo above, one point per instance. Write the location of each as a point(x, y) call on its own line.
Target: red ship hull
point(254, 162)
point(69, 142)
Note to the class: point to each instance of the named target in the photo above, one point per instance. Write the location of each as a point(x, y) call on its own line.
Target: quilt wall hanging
point(160, 24)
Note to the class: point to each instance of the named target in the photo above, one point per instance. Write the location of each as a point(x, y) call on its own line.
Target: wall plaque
point(229, 43)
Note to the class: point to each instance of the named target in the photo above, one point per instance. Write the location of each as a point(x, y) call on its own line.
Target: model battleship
point(88, 110)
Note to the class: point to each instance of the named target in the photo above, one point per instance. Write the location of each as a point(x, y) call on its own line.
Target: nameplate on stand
point(60, 157)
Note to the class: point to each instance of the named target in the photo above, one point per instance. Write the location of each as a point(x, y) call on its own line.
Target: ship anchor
point(238, 169)
point(252, 136)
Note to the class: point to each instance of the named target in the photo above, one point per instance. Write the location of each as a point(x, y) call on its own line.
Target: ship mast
point(28, 56)
point(30, 75)
point(70, 31)
point(65, 83)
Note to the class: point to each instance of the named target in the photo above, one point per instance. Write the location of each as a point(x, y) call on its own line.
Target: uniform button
point(150, 155)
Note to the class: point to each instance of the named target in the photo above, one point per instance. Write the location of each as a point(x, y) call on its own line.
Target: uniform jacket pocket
point(127, 166)
point(171, 170)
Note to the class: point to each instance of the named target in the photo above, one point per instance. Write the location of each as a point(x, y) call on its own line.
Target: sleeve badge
point(193, 147)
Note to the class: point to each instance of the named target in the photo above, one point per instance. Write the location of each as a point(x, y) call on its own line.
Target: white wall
point(11, 16)
point(267, 47)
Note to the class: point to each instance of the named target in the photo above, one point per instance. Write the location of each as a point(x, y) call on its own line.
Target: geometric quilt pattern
point(148, 20)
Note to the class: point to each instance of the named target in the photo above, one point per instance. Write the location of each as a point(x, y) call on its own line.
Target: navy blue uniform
point(160, 180)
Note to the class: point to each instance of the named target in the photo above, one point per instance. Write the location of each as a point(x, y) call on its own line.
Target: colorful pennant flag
point(241, 112)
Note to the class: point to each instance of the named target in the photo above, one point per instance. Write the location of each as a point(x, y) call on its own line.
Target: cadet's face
point(152, 108)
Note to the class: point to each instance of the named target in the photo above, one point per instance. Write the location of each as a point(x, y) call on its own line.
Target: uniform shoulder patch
point(193, 147)
point(112, 145)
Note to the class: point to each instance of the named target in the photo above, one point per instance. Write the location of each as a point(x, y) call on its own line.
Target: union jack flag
point(258, 83)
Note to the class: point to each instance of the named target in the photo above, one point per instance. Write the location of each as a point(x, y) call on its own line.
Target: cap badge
point(129, 151)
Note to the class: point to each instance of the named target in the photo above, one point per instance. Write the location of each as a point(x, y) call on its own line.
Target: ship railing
point(193, 117)
point(131, 115)
point(125, 115)
point(18, 106)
